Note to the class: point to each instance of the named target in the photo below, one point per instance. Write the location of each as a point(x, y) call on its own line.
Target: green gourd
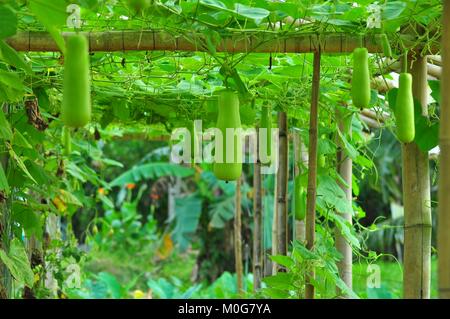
point(66, 140)
point(76, 105)
point(266, 122)
point(387, 51)
point(404, 109)
point(193, 141)
point(228, 117)
point(360, 78)
point(299, 199)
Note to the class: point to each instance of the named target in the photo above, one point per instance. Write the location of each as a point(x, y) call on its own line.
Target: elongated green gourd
point(76, 106)
point(299, 199)
point(404, 109)
point(66, 140)
point(266, 123)
point(228, 117)
point(360, 78)
point(193, 141)
point(387, 51)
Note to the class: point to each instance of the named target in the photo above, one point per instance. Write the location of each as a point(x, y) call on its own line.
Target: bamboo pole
point(444, 165)
point(298, 158)
point(275, 224)
point(312, 171)
point(159, 40)
point(344, 168)
point(257, 221)
point(238, 238)
point(283, 173)
point(416, 201)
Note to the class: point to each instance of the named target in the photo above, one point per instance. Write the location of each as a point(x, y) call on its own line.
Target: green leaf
point(10, 56)
point(21, 165)
point(5, 128)
point(52, 14)
point(285, 261)
point(435, 87)
point(251, 12)
point(12, 80)
point(28, 219)
point(20, 140)
point(187, 215)
point(16, 260)
point(392, 10)
point(348, 148)
point(151, 171)
point(280, 281)
point(329, 192)
point(3, 181)
point(8, 22)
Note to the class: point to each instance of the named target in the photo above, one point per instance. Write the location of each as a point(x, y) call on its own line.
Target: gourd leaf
point(10, 56)
point(5, 128)
point(52, 14)
point(3, 181)
point(8, 22)
point(16, 260)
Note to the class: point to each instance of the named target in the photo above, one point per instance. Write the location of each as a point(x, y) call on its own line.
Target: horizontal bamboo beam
point(155, 40)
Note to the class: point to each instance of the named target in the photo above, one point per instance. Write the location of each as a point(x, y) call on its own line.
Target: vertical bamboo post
point(238, 238)
point(282, 176)
point(344, 168)
point(275, 224)
point(416, 202)
point(298, 158)
point(444, 164)
point(257, 221)
point(312, 171)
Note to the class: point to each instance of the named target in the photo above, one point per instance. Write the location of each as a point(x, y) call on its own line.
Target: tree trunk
point(282, 177)
point(238, 238)
point(416, 201)
point(344, 167)
point(444, 164)
point(257, 221)
point(312, 171)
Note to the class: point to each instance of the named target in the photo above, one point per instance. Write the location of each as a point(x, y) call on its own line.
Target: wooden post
point(275, 227)
point(312, 171)
point(299, 158)
point(416, 201)
point(238, 238)
point(257, 221)
point(444, 164)
point(282, 177)
point(344, 168)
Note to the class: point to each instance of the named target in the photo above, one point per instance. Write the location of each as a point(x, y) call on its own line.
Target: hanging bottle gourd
point(228, 164)
point(266, 123)
point(404, 109)
point(76, 105)
point(360, 78)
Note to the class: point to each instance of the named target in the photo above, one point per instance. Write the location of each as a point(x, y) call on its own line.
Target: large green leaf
point(187, 213)
point(151, 171)
point(10, 56)
point(52, 14)
point(16, 260)
point(222, 211)
point(8, 22)
point(329, 193)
